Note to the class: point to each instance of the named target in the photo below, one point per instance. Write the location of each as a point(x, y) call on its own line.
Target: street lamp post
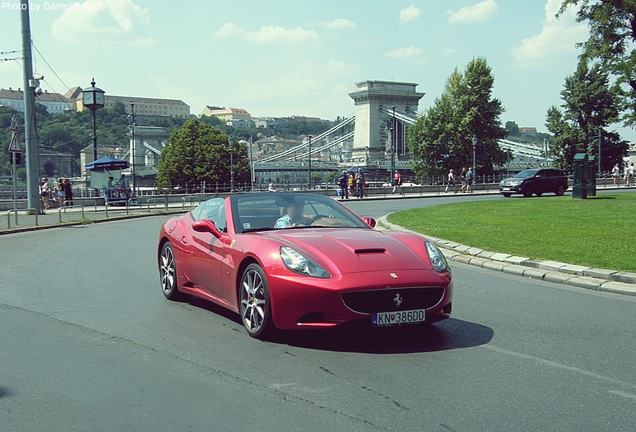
point(132, 134)
point(230, 142)
point(474, 160)
point(393, 139)
point(309, 164)
point(93, 99)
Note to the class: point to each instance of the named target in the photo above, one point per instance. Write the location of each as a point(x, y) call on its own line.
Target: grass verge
point(596, 232)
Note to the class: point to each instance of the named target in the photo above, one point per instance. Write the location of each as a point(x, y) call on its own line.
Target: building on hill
point(235, 117)
point(528, 130)
point(151, 107)
point(55, 103)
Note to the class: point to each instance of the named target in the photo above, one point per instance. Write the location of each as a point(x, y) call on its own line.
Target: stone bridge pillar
point(371, 142)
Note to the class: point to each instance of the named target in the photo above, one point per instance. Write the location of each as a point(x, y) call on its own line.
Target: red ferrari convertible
point(299, 261)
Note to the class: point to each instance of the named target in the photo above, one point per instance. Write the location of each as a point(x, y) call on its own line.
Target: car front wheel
point(560, 190)
point(168, 274)
point(507, 195)
point(255, 308)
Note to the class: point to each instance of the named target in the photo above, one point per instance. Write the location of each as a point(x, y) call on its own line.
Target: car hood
point(357, 250)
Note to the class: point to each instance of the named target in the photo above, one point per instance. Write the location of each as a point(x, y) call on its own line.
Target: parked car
point(535, 181)
point(301, 261)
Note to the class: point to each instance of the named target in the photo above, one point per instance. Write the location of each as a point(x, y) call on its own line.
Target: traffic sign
point(14, 145)
point(14, 125)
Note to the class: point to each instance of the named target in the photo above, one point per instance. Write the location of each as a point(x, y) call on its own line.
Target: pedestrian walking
point(351, 183)
point(450, 181)
point(630, 175)
point(469, 180)
point(462, 179)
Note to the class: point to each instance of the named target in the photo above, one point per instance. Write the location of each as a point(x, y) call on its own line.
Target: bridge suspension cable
point(305, 145)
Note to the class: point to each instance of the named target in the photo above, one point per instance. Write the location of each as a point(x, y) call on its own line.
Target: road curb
point(594, 279)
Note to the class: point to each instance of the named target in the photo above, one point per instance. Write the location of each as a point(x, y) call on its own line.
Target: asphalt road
point(87, 342)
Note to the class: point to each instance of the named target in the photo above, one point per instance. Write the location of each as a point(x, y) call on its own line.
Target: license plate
point(505, 188)
point(381, 319)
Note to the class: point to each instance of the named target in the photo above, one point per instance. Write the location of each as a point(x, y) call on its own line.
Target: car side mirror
point(369, 221)
point(206, 226)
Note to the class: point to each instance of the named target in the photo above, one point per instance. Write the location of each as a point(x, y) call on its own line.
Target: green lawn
point(598, 232)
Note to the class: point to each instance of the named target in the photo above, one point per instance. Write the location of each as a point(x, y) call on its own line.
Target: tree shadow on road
point(442, 336)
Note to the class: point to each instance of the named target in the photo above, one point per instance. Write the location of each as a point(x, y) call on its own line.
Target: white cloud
point(105, 23)
point(409, 52)
point(558, 37)
point(410, 13)
point(228, 30)
point(340, 24)
point(477, 12)
point(276, 34)
point(268, 34)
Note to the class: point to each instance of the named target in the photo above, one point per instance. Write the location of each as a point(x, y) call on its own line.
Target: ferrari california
point(301, 261)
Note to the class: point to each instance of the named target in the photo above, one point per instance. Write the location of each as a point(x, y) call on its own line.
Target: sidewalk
point(92, 213)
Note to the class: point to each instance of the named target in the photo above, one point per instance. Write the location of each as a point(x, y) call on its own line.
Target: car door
point(208, 254)
point(539, 181)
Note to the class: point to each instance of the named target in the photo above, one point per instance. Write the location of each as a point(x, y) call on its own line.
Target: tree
point(512, 128)
point(198, 152)
point(612, 43)
point(442, 138)
point(589, 106)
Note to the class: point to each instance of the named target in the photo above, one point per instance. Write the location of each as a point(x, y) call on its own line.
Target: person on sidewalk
point(462, 179)
point(59, 191)
point(616, 174)
point(343, 185)
point(68, 191)
point(45, 190)
point(469, 181)
point(397, 181)
point(450, 181)
point(360, 182)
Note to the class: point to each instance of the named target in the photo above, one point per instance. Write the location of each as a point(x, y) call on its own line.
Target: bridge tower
point(374, 102)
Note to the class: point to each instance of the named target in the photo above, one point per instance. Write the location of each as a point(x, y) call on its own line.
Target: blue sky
point(297, 57)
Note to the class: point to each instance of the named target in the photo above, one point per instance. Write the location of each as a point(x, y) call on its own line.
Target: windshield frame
point(262, 210)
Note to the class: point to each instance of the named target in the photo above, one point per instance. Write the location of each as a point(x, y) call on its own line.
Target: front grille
point(387, 300)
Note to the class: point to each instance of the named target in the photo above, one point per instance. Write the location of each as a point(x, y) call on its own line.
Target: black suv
point(535, 181)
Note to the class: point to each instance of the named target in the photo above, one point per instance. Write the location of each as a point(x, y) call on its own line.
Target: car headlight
point(437, 258)
point(299, 263)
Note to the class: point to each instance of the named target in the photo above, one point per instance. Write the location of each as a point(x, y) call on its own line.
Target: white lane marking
point(560, 366)
point(624, 394)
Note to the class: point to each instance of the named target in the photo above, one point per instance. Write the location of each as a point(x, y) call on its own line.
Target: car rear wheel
point(527, 191)
point(539, 194)
point(560, 190)
point(168, 274)
point(254, 304)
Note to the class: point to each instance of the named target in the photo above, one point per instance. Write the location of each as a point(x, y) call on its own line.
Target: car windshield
point(267, 211)
point(526, 174)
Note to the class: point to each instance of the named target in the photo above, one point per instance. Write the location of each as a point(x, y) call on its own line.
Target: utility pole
point(30, 135)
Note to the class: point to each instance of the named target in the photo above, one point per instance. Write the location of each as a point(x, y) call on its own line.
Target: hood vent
point(370, 251)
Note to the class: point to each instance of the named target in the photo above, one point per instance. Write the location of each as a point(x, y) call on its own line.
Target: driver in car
point(294, 217)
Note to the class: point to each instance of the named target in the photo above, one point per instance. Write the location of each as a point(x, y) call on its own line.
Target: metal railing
point(59, 211)
point(16, 211)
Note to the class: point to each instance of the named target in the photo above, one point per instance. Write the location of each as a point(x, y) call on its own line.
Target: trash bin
point(579, 188)
point(591, 175)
